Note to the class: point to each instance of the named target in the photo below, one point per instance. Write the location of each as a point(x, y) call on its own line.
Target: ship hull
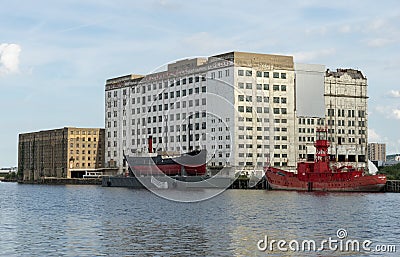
point(283, 180)
point(191, 164)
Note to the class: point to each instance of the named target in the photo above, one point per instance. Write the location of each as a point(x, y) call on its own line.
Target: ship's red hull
point(190, 164)
point(168, 169)
point(284, 180)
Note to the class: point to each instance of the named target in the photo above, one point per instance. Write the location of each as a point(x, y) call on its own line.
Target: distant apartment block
point(377, 152)
point(247, 109)
point(68, 152)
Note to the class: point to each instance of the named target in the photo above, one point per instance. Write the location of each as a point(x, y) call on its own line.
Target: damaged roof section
point(354, 74)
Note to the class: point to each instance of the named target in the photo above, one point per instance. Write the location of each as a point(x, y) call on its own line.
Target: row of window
point(172, 139)
point(242, 85)
point(83, 158)
point(171, 95)
point(83, 151)
point(341, 113)
point(259, 164)
point(249, 109)
point(303, 130)
point(350, 123)
point(83, 165)
point(310, 121)
point(220, 74)
point(349, 132)
point(154, 86)
point(83, 132)
point(306, 139)
point(83, 139)
point(243, 155)
point(260, 146)
point(259, 74)
point(251, 137)
point(83, 145)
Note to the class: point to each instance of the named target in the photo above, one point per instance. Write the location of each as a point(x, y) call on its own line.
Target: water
point(45, 220)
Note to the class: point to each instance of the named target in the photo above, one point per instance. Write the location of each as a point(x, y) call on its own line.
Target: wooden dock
point(392, 186)
point(64, 181)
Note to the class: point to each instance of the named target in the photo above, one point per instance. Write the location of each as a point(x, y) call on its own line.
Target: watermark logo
point(180, 140)
point(339, 243)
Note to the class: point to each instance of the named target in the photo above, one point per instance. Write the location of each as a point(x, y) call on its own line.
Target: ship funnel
point(150, 143)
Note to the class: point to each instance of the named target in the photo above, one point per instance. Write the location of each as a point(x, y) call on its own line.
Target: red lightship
point(319, 175)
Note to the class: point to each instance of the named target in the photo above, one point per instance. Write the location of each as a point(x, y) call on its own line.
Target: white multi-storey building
point(238, 106)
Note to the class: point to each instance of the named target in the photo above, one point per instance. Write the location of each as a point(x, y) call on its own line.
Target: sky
point(55, 56)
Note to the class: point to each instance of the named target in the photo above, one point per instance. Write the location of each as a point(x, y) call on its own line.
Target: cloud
point(396, 114)
point(376, 24)
point(345, 29)
point(379, 42)
point(373, 136)
point(313, 55)
point(389, 111)
point(394, 93)
point(9, 58)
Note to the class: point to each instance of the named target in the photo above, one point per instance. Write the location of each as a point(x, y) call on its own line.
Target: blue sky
point(56, 55)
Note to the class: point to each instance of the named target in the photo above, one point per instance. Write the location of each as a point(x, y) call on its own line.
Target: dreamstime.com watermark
point(340, 243)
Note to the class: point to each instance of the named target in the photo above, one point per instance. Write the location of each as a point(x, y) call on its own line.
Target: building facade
point(241, 107)
point(65, 153)
point(238, 106)
point(377, 152)
point(344, 113)
point(346, 109)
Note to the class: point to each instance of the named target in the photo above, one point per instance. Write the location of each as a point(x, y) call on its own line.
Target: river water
point(46, 220)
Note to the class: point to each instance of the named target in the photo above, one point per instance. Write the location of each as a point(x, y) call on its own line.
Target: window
point(283, 75)
point(241, 98)
point(249, 73)
point(276, 87)
point(259, 86)
point(241, 85)
point(283, 87)
point(240, 72)
point(276, 75)
point(266, 86)
point(259, 74)
point(266, 74)
point(248, 85)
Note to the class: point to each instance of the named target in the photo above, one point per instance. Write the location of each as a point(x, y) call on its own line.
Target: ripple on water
point(45, 220)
